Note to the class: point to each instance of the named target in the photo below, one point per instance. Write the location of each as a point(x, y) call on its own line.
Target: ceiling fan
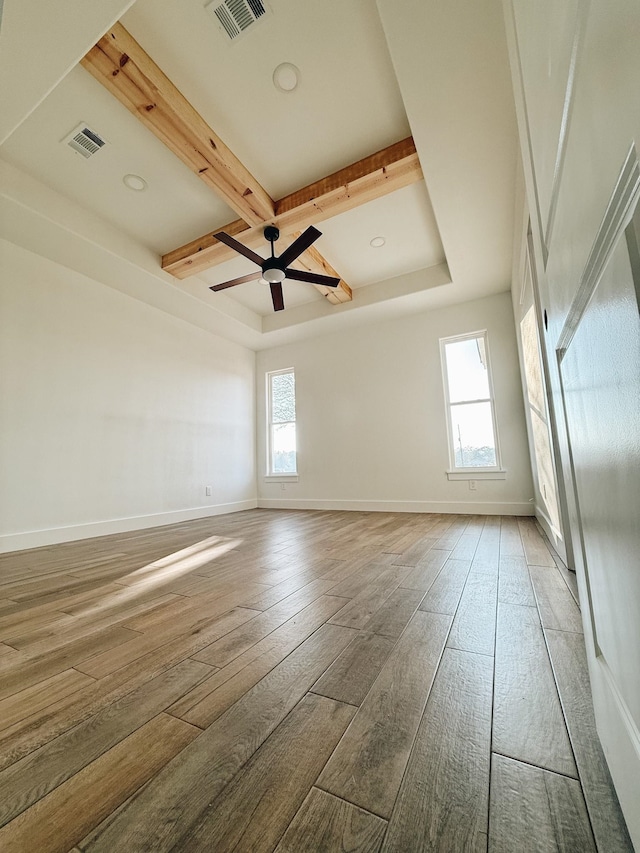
point(274, 270)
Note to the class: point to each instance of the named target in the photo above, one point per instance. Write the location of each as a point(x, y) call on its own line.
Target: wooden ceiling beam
point(372, 177)
point(122, 66)
point(313, 261)
point(128, 72)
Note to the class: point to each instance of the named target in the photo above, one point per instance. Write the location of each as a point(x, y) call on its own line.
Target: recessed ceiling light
point(134, 182)
point(286, 77)
point(377, 242)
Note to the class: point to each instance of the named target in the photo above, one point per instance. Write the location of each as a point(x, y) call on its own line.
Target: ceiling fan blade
point(239, 247)
point(253, 276)
point(312, 277)
point(298, 246)
point(276, 297)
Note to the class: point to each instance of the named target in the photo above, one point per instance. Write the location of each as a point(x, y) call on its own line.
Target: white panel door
point(600, 370)
point(576, 76)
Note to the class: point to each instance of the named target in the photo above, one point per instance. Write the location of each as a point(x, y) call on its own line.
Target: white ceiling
point(443, 64)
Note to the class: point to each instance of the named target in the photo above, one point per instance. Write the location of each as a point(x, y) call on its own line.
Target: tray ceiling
point(357, 81)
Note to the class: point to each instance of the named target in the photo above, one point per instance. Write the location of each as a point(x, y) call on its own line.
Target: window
point(470, 409)
point(281, 413)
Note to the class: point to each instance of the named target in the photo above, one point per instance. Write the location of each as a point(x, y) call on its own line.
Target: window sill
point(478, 474)
point(281, 478)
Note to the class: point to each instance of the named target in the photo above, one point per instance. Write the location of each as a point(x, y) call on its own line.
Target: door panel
point(538, 417)
point(600, 371)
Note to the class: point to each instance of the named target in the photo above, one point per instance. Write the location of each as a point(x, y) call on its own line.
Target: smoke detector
point(235, 17)
point(84, 141)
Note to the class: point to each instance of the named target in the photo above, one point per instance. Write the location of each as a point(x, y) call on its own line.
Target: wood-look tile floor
point(299, 681)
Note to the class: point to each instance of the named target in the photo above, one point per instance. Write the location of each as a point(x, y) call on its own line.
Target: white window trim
point(454, 472)
point(477, 474)
point(275, 476)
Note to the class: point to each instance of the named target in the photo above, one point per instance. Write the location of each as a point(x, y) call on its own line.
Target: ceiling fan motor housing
point(271, 233)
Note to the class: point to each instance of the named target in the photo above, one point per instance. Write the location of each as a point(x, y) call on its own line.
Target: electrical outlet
point(282, 487)
point(473, 485)
point(207, 491)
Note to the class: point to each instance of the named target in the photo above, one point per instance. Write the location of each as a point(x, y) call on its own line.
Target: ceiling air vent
point(84, 140)
point(236, 16)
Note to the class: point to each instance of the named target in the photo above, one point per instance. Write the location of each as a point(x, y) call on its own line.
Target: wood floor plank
point(392, 618)
point(278, 645)
point(535, 548)
point(65, 815)
point(426, 571)
point(510, 540)
point(301, 604)
point(557, 607)
point(79, 603)
point(9, 654)
point(327, 824)
point(351, 675)
point(359, 610)
point(34, 588)
point(528, 723)
point(286, 588)
point(444, 593)
point(467, 545)
point(294, 603)
point(474, 626)
point(111, 660)
point(445, 520)
point(254, 810)
point(79, 627)
point(176, 798)
point(535, 811)
point(359, 580)
point(514, 584)
point(487, 553)
point(39, 696)
point(107, 691)
point(232, 645)
point(38, 668)
point(29, 779)
point(38, 728)
point(449, 539)
point(569, 578)
point(24, 623)
point(417, 552)
point(569, 661)
point(187, 613)
point(367, 766)
point(443, 802)
point(264, 656)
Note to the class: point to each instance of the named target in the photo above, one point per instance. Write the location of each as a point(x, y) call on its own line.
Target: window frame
point(457, 472)
point(278, 476)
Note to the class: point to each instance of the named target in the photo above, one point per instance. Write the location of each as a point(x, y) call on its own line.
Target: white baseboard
point(463, 507)
point(551, 533)
point(55, 535)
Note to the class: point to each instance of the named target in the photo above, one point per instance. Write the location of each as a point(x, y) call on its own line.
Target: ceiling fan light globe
point(274, 276)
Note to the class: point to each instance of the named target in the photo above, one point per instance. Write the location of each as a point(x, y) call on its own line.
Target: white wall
point(371, 419)
point(114, 415)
